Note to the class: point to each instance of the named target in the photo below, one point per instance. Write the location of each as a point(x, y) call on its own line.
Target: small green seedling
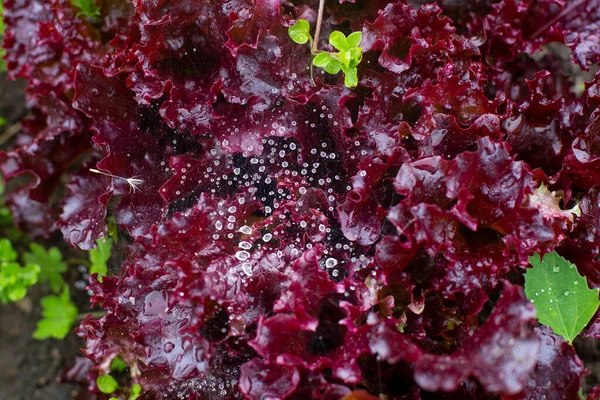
point(118, 365)
point(58, 316)
point(135, 392)
point(51, 265)
point(107, 384)
point(89, 8)
point(99, 256)
point(14, 279)
point(561, 296)
point(346, 59)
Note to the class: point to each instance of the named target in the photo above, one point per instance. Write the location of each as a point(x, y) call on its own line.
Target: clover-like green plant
point(346, 59)
point(89, 8)
point(58, 316)
point(14, 278)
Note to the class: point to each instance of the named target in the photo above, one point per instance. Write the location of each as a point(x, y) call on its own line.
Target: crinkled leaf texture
point(295, 238)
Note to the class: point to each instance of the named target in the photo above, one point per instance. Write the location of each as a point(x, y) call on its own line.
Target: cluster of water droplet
point(210, 386)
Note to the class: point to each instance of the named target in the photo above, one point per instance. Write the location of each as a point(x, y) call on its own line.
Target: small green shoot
point(561, 296)
point(135, 392)
point(99, 256)
point(58, 316)
point(118, 365)
point(347, 58)
point(107, 384)
point(50, 263)
point(89, 8)
point(14, 279)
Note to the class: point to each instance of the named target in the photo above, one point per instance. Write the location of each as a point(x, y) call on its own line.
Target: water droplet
point(246, 230)
point(242, 255)
point(556, 268)
point(566, 292)
point(247, 268)
point(266, 237)
point(331, 262)
point(245, 245)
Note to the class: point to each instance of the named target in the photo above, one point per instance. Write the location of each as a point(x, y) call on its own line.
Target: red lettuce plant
point(286, 238)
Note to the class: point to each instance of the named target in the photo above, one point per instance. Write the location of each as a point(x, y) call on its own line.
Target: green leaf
point(350, 76)
point(7, 253)
point(106, 384)
point(2, 26)
point(136, 391)
point(338, 40)
point(321, 60)
point(355, 56)
point(327, 62)
point(354, 39)
point(561, 296)
point(58, 315)
point(300, 31)
point(51, 265)
point(118, 365)
point(99, 256)
point(87, 8)
point(14, 280)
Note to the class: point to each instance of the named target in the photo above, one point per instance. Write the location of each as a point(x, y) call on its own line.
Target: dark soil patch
point(29, 368)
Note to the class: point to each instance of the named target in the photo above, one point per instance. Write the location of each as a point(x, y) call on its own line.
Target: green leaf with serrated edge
point(106, 384)
point(350, 76)
point(51, 265)
point(58, 316)
point(561, 296)
point(300, 31)
point(354, 39)
point(338, 40)
point(15, 280)
point(99, 256)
